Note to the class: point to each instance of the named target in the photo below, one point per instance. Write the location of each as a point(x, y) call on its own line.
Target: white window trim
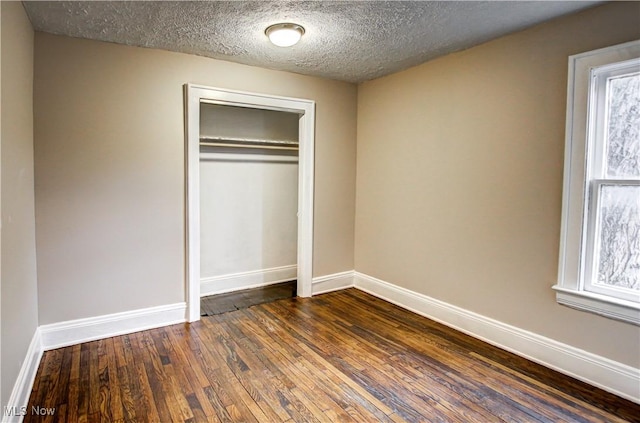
point(568, 289)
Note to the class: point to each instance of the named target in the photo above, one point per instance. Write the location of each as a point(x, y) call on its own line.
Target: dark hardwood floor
point(337, 357)
point(222, 303)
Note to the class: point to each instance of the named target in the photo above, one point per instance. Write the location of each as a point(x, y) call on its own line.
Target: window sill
point(614, 308)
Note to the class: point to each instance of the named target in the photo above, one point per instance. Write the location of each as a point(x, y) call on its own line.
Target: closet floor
point(222, 303)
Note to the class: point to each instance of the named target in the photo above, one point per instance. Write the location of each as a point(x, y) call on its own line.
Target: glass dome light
point(284, 34)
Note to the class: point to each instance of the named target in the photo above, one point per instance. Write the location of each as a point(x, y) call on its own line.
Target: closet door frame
point(194, 95)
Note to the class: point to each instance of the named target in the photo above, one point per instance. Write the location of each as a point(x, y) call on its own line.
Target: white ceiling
point(351, 41)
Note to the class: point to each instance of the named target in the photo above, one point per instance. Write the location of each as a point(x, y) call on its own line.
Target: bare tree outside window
point(618, 249)
point(623, 132)
point(619, 255)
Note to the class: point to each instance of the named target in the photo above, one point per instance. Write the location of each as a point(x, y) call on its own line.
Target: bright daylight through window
point(600, 243)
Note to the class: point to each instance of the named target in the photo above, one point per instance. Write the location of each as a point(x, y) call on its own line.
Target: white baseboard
point(332, 282)
point(612, 376)
point(73, 332)
point(246, 280)
point(24, 383)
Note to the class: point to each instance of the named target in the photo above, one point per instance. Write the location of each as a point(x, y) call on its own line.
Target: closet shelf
point(209, 141)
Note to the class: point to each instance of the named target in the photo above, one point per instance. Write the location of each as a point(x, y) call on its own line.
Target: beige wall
point(110, 171)
point(459, 178)
point(18, 259)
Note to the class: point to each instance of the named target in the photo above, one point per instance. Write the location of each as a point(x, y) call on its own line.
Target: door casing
point(194, 95)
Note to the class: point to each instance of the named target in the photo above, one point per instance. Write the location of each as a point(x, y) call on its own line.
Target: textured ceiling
point(346, 40)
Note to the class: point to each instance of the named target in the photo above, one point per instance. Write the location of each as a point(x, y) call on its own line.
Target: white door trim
point(194, 95)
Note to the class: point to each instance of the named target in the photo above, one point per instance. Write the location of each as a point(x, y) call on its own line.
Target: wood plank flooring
point(237, 300)
point(338, 357)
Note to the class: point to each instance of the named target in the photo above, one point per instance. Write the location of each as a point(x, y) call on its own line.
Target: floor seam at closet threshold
point(238, 300)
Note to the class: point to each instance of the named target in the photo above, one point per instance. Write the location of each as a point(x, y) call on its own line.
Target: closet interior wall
point(248, 197)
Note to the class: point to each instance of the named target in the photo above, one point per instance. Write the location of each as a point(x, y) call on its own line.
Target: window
point(599, 267)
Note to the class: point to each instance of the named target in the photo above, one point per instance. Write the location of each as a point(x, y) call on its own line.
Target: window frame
point(578, 226)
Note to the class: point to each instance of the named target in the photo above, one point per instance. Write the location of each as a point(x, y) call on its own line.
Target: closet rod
point(255, 143)
point(233, 145)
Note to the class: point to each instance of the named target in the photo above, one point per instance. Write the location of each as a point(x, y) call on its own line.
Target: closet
point(248, 191)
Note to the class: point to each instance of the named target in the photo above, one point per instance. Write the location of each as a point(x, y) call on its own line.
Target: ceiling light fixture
point(284, 34)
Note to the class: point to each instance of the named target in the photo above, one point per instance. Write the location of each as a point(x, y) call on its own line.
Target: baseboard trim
point(247, 280)
point(333, 282)
point(24, 383)
point(73, 332)
point(612, 376)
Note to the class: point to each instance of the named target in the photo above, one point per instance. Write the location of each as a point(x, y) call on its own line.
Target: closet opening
point(249, 196)
point(248, 205)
